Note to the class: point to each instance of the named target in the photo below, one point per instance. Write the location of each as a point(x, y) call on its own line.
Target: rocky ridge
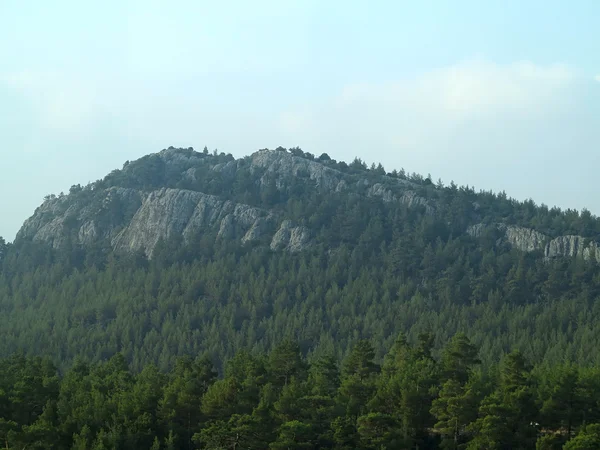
point(157, 214)
point(136, 218)
point(528, 240)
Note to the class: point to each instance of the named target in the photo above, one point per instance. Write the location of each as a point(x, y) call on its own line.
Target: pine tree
point(454, 409)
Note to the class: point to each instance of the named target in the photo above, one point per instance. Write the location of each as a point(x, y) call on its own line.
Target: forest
point(281, 400)
point(374, 269)
point(230, 298)
point(393, 329)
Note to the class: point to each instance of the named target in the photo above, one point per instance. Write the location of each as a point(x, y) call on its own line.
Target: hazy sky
point(502, 95)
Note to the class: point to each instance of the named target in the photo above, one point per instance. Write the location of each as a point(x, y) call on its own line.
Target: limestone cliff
point(528, 240)
point(51, 221)
point(161, 195)
point(167, 212)
point(187, 194)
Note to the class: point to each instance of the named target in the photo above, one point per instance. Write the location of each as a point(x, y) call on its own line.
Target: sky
point(499, 95)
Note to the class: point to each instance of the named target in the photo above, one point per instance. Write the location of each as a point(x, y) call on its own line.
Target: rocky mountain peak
point(181, 192)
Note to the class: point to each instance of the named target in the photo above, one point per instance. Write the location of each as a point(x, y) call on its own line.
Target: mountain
point(182, 192)
point(182, 252)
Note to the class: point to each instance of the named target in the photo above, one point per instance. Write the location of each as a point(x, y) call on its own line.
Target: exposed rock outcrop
point(409, 198)
point(528, 240)
point(180, 160)
point(525, 239)
point(167, 212)
point(325, 178)
point(573, 246)
point(137, 218)
point(51, 221)
point(291, 238)
point(285, 165)
point(164, 198)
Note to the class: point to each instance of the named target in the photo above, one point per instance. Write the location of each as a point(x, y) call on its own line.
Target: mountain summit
point(183, 193)
point(183, 252)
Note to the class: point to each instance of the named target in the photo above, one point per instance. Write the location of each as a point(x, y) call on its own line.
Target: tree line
point(282, 400)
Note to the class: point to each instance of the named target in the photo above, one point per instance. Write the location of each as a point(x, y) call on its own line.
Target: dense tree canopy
point(394, 329)
point(374, 269)
point(281, 400)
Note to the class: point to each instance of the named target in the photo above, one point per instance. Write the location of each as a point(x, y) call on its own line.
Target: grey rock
point(190, 174)
point(168, 212)
point(227, 169)
point(341, 186)
point(411, 199)
point(326, 178)
point(146, 217)
point(258, 229)
point(46, 223)
point(476, 230)
point(379, 190)
point(529, 240)
point(227, 228)
point(50, 220)
point(291, 238)
point(281, 163)
point(574, 246)
point(88, 233)
point(525, 239)
point(285, 165)
point(299, 239)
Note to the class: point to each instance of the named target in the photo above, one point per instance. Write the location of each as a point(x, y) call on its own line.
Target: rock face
point(281, 163)
point(528, 240)
point(408, 197)
point(162, 214)
point(291, 238)
point(573, 246)
point(57, 214)
point(183, 193)
point(332, 180)
point(168, 212)
point(138, 216)
point(524, 239)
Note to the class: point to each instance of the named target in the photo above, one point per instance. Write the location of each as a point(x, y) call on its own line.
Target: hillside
point(185, 252)
point(179, 192)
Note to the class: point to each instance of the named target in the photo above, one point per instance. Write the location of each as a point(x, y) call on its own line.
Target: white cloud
point(61, 103)
point(471, 88)
point(495, 126)
point(597, 78)
point(427, 110)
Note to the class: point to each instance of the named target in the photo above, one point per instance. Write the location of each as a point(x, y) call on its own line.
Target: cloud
point(421, 111)
point(597, 78)
point(495, 126)
point(471, 88)
point(61, 103)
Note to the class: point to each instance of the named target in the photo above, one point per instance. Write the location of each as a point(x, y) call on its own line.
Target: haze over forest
point(299, 225)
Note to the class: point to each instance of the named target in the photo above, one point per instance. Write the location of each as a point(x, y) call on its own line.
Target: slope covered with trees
point(374, 266)
point(282, 401)
point(283, 301)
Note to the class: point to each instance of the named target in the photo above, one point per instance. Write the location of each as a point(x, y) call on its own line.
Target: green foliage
point(550, 442)
point(325, 348)
point(411, 401)
point(454, 410)
point(374, 268)
point(285, 362)
point(507, 417)
point(587, 439)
